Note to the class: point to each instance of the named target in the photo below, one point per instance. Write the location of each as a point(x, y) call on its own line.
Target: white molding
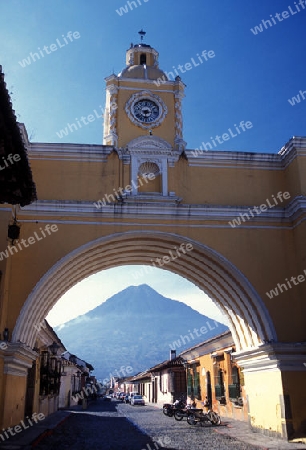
point(112, 89)
point(24, 134)
point(268, 161)
point(143, 81)
point(149, 142)
point(173, 154)
point(112, 77)
point(18, 358)
point(273, 356)
point(132, 222)
point(69, 152)
point(164, 163)
point(220, 159)
point(211, 345)
point(136, 205)
point(299, 141)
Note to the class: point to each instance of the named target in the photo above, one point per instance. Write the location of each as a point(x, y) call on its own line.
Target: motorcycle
point(198, 416)
point(169, 409)
point(179, 414)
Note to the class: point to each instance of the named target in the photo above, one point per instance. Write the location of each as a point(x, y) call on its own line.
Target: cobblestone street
point(116, 426)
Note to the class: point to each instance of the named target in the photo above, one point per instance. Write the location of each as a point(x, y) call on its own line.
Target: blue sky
point(97, 288)
point(251, 77)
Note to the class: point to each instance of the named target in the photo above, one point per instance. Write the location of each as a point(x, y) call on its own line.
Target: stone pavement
point(242, 431)
point(35, 433)
point(149, 421)
point(238, 430)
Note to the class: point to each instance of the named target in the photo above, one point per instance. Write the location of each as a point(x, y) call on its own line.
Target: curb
point(47, 432)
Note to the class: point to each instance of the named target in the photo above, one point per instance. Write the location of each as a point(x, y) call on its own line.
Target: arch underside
point(248, 317)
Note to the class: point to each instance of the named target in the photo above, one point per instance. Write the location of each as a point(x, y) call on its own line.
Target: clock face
point(146, 110)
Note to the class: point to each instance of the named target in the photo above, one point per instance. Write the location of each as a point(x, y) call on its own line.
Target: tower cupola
point(142, 62)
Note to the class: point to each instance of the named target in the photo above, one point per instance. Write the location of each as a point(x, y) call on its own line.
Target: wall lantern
point(13, 231)
point(54, 348)
point(6, 334)
point(73, 359)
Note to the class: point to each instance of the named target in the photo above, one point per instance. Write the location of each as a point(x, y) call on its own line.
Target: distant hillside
point(136, 328)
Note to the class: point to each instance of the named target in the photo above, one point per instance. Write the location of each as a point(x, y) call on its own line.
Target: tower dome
point(142, 62)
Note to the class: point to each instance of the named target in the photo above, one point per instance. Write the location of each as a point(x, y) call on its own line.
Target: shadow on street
point(97, 428)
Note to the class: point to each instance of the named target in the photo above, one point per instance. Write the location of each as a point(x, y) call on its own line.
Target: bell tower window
point(143, 59)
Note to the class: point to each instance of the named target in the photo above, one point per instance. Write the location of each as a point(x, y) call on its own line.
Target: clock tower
point(143, 116)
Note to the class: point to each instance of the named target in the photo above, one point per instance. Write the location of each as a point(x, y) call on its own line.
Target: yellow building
point(56, 376)
point(44, 377)
point(143, 196)
point(214, 376)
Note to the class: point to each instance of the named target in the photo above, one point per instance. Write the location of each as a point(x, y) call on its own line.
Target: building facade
point(56, 376)
point(76, 381)
point(215, 378)
point(142, 194)
point(163, 383)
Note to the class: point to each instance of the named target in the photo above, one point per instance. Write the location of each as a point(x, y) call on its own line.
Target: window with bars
point(163, 382)
point(234, 387)
point(180, 382)
point(193, 383)
point(189, 383)
point(208, 387)
point(75, 384)
point(219, 385)
point(50, 374)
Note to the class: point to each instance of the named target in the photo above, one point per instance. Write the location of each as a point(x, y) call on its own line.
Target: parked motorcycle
point(169, 409)
point(179, 414)
point(198, 416)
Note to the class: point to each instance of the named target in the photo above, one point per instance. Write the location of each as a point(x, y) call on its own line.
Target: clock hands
point(146, 111)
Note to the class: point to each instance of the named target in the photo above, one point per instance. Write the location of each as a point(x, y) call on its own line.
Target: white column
point(134, 170)
point(165, 177)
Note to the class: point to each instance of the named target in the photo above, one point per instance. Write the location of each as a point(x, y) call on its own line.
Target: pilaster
point(274, 374)
point(17, 359)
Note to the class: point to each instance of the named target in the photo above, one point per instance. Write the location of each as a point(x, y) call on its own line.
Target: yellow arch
point(249, 319)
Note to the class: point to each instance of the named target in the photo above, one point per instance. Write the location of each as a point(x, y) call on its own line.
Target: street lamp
point(73, 359)
point(54, 348)
point(6, 334)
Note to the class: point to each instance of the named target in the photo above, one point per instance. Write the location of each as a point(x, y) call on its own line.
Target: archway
point(248, 317)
